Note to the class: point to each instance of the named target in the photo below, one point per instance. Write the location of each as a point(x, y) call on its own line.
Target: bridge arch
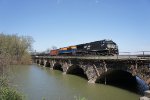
point(114, 76)
point(38, 61)
point(47, 63)
point(57, 66)
point(76, 70)
point(123, 79)
point(118, 78)
point(42, 62)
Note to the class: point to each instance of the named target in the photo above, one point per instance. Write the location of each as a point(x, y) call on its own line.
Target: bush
point(79, 98)
point(16, 47)
point(7, 93)
point(3, 81)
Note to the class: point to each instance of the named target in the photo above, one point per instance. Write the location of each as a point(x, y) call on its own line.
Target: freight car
point(103, 47)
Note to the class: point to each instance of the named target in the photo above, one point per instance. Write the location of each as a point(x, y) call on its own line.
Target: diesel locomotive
point(102, 47)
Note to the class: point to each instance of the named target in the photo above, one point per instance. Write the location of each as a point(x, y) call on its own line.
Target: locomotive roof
point(106, 40)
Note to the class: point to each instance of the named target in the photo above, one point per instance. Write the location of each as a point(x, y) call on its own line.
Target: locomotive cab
point(112, 47)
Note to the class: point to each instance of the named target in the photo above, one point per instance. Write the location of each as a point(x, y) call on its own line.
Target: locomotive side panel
point(68, 51)
point(103, 47)
point(80, 49)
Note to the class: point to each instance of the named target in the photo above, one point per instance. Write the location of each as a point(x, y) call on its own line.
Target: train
point(102, 47)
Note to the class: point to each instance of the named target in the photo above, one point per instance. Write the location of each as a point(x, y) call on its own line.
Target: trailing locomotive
point(103, 47)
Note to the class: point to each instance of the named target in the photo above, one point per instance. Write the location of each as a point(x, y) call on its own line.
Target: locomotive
point(102, 47)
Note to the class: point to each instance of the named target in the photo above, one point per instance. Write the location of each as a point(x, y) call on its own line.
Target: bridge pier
point(44, 62)
point(65, 66)
point(91, 73)
point(52, 63)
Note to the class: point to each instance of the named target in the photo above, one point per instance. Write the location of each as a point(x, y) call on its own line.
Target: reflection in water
point(37, 82)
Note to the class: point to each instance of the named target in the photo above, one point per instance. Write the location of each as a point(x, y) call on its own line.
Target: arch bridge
point(96, 68)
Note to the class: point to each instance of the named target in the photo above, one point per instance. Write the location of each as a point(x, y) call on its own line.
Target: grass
point(8, 93)
point(79, 98)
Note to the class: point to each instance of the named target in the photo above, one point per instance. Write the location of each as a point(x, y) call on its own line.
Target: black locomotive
point(103, 47)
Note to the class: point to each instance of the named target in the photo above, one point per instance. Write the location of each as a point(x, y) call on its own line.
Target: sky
point(63, 23)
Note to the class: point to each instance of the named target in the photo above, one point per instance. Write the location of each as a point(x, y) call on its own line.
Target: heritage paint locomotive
point(102, 47)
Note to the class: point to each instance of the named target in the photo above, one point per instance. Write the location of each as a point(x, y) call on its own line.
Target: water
point(37, 82)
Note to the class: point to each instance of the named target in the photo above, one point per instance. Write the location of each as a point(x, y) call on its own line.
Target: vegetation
point(79, 98)
point(8, 93)
point(14, 49)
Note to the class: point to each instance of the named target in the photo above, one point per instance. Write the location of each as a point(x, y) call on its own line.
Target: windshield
point(111, 46)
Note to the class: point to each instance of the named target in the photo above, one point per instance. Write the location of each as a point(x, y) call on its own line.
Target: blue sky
point(69, 22)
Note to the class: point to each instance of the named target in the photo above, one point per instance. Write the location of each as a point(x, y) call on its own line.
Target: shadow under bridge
point(123, 79)
point(76, 70)
point(57, 66)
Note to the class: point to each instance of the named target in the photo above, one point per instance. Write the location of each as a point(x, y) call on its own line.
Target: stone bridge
point(99, 69)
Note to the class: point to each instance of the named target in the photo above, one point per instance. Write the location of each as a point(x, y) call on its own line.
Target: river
point(37, 82)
